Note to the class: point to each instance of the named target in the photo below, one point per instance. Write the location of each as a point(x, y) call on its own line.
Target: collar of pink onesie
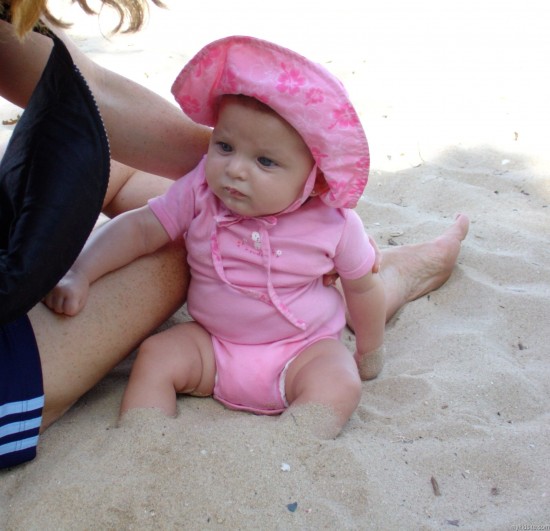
point(305, 94)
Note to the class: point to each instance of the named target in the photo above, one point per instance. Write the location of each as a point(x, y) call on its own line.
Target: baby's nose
point(236, 168)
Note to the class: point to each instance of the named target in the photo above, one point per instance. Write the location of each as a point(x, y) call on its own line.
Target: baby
point(264, 216)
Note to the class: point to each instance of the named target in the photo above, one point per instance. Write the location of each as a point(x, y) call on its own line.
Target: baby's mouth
point(233, 192)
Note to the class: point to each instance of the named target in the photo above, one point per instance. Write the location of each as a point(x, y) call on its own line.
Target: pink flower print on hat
point(345, 117)
point(290, 80)
point(314, 95)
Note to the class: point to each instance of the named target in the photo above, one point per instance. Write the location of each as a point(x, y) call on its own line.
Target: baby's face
point(257, 163)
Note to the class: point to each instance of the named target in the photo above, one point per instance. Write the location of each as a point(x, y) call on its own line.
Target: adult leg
point(411, 271)
point(123, 308)
point(325, 374)
point(178, 360)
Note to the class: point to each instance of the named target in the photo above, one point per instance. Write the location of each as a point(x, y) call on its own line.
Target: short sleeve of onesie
point(176, 208)
point(354, 254)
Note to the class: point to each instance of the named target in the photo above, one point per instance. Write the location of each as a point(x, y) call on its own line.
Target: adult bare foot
point(411, 271)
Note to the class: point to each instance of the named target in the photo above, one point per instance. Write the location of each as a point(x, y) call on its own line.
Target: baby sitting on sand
point(264, 216)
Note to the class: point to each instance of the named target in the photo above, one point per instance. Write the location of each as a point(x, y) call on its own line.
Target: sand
point(455, 432)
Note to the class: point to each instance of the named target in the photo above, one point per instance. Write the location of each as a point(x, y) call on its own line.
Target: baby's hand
point(377, 256)
point(370, 364)
point(70, 294)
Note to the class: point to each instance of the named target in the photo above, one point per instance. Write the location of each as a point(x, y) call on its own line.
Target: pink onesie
point(256, 284)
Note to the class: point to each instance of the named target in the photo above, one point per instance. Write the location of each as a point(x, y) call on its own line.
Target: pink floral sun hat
point(305, 94)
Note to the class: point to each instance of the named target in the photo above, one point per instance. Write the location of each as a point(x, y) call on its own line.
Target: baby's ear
point(321, 186)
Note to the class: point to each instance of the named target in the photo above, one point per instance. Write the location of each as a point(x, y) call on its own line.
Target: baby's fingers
point(61, 302)
point(72, 305)
point(377, 255)
point(370, 364)
point(55, 301)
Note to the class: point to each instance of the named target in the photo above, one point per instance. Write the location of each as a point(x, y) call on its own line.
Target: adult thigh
point(123, 308)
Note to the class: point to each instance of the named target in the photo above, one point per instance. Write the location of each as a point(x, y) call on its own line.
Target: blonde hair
point(25, 14)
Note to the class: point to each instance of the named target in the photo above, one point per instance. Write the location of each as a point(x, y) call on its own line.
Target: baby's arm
point(110, 247)
point(366, 302)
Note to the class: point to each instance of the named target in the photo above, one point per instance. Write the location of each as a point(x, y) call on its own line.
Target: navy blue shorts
point(21, 393)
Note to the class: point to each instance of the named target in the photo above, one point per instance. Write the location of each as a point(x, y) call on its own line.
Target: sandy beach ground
point(455, 433)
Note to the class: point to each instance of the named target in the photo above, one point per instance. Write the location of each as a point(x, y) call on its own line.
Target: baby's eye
point(224, 147)
point(264, 161)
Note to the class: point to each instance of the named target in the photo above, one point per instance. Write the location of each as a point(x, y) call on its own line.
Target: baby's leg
point(178, 360)
point(325, 374)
